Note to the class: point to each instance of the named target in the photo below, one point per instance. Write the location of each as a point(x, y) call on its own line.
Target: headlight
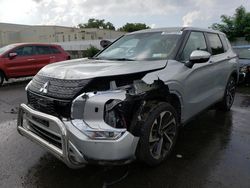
point(26, 88)
point(98, 134)
point(243, 69)
point(103, 135)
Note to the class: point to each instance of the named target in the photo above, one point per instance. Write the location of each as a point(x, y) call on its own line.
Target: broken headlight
point(113, 115)
point(243, 69)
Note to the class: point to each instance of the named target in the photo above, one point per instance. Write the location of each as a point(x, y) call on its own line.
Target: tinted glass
point(42, 50)
point(54, 50)
point(196, 41)
point(215, 43)
point(24, 51)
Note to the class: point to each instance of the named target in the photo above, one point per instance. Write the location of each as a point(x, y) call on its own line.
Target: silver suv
point(129, 101)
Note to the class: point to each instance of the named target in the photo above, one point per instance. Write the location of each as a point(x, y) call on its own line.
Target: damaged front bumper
point(67, 141)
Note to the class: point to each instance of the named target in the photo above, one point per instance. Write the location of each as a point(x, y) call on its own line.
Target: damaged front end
point(97, 125)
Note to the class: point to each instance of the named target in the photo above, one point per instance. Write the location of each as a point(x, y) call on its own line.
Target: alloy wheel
point(162, 134)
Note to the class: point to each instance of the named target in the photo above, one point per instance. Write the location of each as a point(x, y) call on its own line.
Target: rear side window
point(224, 42)
point(215, 44)
point(24, 51)
point(43, 50)
point(55, 50)
point(196, 41)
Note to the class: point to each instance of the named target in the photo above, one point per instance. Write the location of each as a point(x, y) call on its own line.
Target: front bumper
point(242, 77)
point(67, 143)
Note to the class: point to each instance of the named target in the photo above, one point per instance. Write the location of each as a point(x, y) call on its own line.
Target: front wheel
point(229, 95)
point(158, 134)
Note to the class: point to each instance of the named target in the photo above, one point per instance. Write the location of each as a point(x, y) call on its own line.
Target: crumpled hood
point(90, 68)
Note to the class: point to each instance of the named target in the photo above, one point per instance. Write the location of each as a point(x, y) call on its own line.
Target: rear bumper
point(67, 143)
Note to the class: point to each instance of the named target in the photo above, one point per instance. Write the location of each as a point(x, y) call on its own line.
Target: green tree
point(91, 51)
point(96, 23)
point(130, 27)
point(234, 26)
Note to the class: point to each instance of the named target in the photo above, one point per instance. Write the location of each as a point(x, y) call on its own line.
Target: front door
point(24, 64)
point(198, 81)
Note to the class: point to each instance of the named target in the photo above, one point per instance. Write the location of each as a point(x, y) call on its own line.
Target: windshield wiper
point(121, 59)
point(93, 58)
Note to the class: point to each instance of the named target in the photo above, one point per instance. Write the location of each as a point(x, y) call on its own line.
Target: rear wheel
point(229, 95)
point(1, 78)
point(158, 134)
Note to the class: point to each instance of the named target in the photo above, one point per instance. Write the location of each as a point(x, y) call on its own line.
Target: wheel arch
point(235, 75)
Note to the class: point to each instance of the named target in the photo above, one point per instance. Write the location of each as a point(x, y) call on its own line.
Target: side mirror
point(105, 43)
point(198, 56)
point(12, 55)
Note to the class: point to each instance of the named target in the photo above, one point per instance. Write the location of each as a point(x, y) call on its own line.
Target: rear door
point(44, 56)
point(220, 63)
point(24, 64)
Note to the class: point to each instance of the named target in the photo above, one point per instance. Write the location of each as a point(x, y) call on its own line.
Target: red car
point(19, 60)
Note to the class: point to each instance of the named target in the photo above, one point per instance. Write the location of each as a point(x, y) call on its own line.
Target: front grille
point(51, 106)
point(49, 137)
point(58, 88)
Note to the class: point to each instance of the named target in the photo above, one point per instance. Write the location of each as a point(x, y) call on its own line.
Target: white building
point(15, 33)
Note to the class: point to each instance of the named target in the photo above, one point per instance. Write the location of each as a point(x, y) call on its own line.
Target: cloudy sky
point(155, 13)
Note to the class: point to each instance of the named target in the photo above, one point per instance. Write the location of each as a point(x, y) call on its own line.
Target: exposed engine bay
point(117, 106)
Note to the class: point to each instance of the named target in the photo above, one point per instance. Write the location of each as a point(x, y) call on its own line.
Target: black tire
point(228, 99)
point(158, 132)
point(1, 78)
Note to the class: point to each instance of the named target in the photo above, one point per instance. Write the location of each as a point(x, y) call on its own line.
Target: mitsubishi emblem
point(44, 89)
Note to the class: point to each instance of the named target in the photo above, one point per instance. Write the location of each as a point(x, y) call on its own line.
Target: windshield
point(6, 48)
point(243, 53)
point(142, 46)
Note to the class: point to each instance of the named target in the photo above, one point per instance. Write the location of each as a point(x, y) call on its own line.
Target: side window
point(215, 43)
point(54, 50)
point(24, 51)
point(43, 50)
point(196, 41)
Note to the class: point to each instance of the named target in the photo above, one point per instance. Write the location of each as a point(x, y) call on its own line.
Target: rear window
point(42, 50)
point(215, 44)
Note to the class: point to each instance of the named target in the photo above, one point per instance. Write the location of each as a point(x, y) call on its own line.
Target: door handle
point(52, 57)
point(30, 59)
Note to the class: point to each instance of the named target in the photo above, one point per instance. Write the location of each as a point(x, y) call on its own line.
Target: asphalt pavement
point(213, 150)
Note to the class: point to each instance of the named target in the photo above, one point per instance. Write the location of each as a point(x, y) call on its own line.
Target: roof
point(177, 30)
point(38, 44)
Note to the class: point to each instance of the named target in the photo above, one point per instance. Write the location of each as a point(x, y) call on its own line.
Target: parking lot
point(213, 150)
